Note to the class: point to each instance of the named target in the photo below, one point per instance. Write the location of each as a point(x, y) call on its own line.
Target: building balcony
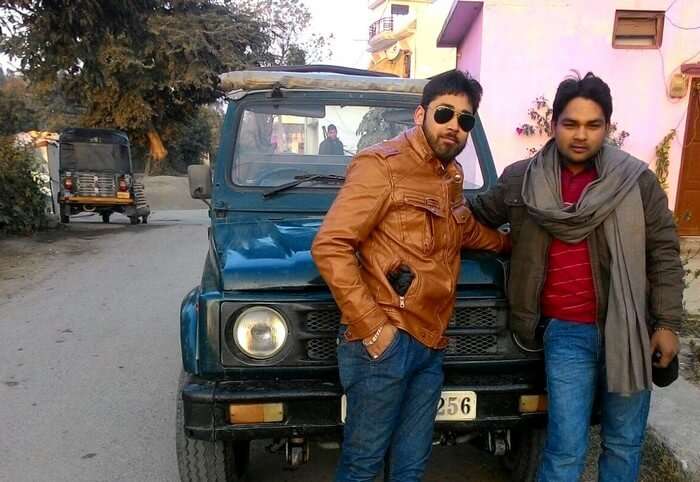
point(385, 24)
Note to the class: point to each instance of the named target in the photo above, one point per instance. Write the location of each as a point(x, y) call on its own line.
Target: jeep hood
point(272, 254)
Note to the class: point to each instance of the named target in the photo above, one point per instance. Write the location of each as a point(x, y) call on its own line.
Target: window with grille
point(399, 9)
point(636, 29)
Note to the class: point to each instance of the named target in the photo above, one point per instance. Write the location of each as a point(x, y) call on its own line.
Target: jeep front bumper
point(312, 408)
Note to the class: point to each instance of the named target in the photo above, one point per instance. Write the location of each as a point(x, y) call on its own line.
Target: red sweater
point(568, 292)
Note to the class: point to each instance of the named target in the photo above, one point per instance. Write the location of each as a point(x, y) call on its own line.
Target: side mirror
point(200, 181)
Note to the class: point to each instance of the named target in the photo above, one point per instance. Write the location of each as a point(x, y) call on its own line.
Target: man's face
point(580, 130)
point(446, 140)
point(332, 133)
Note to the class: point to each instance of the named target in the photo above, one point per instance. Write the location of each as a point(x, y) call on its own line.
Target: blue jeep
point(259, 333)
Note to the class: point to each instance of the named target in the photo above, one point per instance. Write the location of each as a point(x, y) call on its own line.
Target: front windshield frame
point(360, 99)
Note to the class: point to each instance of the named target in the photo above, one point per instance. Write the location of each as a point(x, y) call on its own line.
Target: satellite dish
point(393, 51)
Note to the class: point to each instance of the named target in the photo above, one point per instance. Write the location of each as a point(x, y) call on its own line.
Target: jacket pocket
point(418, 216)
point(460, 214)
point(517, 211)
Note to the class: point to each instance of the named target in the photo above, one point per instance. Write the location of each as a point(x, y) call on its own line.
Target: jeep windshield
point(279, 144)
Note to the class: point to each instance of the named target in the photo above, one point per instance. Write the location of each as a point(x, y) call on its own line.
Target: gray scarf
point(613, 200)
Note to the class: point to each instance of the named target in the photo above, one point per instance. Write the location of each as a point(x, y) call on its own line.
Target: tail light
point(123, 185)
point(68, 183)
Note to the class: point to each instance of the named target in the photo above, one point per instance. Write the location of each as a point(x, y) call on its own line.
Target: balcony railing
point(385, 24)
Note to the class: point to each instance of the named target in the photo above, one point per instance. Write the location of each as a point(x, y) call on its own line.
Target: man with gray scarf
point(596, 278)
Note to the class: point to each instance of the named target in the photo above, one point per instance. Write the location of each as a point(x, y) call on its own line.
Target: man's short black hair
point(332, 126)
point(453, 82)
point(589, 87)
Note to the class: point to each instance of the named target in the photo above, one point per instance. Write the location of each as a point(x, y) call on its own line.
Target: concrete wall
point(429, 60)
point(528, 47)
point(426, 59)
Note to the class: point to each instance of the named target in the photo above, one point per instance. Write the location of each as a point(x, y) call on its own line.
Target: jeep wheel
point(524, 456)
point(202, 461)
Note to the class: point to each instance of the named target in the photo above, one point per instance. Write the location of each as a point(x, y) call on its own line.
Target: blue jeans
point(575, 365)
point(392, 402)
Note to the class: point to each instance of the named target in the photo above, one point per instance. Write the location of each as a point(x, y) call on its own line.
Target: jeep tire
point(203, 461)
point(523, 459)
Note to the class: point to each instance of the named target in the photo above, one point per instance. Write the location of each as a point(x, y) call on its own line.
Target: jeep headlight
point(260, 332)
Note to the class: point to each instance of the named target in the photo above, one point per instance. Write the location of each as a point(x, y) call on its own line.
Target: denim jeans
point(575, 366)
point(392, 402)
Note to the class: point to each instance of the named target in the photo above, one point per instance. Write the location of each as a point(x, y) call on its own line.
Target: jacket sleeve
point(490, 207)
point(360, 205)
point(477, 236)
point(664, 267)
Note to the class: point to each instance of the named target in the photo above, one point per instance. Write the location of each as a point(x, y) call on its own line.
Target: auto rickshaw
point(96, 175)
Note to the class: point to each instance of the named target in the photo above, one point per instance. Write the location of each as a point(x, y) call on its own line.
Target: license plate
point(123, 195)
point(454, 405)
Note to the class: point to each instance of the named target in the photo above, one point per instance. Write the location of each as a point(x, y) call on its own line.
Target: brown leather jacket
point(399, 205)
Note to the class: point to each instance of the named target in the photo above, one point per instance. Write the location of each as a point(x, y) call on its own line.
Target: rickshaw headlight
point(260, 332)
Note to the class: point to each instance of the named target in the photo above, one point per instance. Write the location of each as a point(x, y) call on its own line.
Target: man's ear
point(419, 115)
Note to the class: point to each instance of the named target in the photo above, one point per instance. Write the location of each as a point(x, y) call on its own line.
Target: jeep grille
point(461, 343)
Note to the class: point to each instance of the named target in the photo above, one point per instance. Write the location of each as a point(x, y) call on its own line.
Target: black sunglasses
point(444, 114)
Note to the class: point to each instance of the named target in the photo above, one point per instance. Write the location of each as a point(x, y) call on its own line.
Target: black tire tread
point(524, 460)
point(197, 460)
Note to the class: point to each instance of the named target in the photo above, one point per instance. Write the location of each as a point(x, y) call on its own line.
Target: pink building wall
point(522, 49)
point(469, 51)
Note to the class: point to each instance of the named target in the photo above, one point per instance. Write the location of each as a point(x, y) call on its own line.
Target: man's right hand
point(385, 338)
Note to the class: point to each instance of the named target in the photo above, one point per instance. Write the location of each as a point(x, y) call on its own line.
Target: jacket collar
point(418, 142)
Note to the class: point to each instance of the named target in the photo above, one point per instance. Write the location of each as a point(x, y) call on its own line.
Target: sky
point(348, 21)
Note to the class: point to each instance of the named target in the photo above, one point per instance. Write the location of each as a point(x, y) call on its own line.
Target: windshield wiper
point(302, 179)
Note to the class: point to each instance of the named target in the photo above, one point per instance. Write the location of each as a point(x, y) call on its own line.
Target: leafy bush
point(22, 191)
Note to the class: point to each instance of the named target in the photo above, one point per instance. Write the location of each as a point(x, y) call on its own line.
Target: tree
point(17, 111)
point(284, 23)
point(143, 66)
point(193, 140)
point(380, 124)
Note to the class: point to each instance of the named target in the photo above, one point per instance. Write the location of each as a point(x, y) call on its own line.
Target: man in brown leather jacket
point(400, 216)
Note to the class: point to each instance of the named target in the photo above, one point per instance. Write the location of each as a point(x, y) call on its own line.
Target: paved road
point(89, 357)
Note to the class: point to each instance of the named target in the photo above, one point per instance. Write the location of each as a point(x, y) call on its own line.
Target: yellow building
point(403, 38)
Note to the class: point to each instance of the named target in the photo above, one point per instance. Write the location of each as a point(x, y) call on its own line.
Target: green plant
point(22, 189)
point(662, 158)
point(690, 274)
point(541, 125)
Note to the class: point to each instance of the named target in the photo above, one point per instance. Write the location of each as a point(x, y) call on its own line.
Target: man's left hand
point(665, 342)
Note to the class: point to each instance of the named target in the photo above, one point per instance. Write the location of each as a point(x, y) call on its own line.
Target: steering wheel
point(286, 174)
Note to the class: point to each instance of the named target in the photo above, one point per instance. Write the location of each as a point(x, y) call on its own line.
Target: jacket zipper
point(541, 285)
